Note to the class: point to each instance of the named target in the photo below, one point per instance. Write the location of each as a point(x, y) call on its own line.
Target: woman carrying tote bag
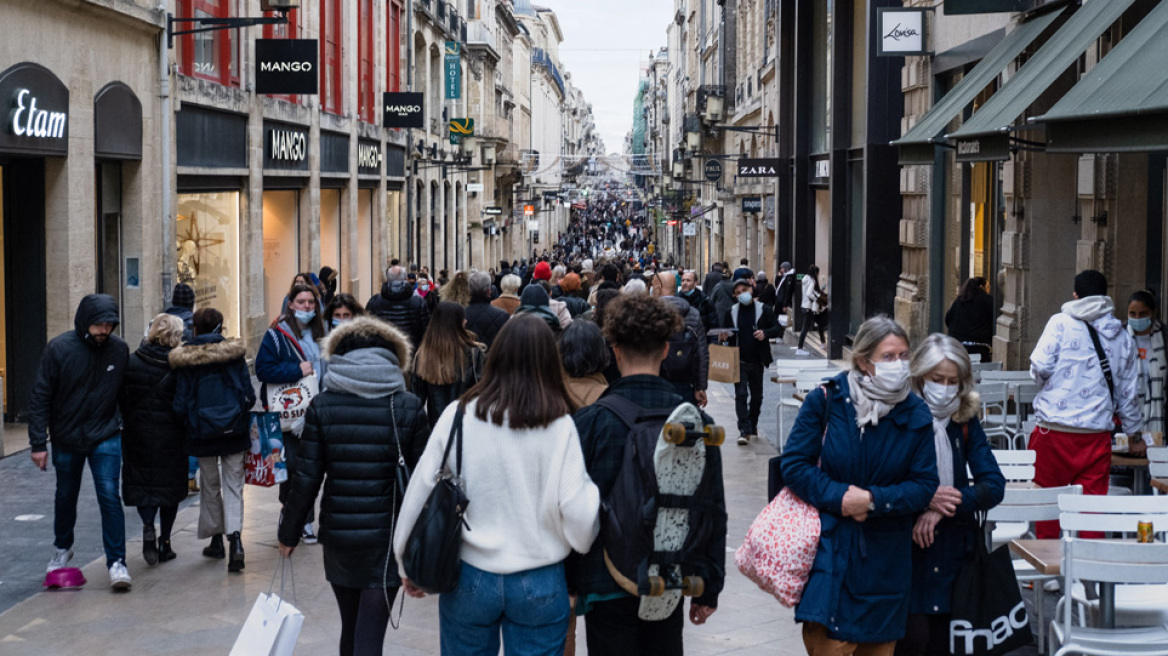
point(531, 501)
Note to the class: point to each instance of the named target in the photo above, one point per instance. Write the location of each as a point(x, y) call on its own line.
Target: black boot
point(165, 553)
point(215, 549)
point(235, 544)
point(149, 545)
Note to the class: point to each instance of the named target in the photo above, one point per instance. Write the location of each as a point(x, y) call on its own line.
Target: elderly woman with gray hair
point(946, 534)
point(862, 453)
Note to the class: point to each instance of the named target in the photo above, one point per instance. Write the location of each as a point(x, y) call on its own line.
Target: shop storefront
point(286, 156)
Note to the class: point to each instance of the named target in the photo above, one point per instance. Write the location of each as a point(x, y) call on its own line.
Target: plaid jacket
point(602, 437)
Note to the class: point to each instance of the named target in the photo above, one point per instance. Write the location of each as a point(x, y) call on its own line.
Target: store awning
point(918, 144)
point(986, 136)
point(1122, 104)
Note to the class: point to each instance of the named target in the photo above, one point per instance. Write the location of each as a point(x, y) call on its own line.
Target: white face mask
point(892, 375)
point(939, 396)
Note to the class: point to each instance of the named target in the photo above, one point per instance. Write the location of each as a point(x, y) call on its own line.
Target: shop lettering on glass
point(287, 145)
point(28, 120)
point(369, 157)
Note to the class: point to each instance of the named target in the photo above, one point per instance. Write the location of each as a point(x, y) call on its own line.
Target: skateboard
point(679, 461)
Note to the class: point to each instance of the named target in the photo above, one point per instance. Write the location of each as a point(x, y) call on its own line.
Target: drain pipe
point(169, 252)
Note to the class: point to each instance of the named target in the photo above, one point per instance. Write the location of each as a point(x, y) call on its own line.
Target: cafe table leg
point(1107, 605)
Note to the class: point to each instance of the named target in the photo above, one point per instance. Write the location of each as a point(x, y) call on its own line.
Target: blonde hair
point(165, 330)
point(934, 350)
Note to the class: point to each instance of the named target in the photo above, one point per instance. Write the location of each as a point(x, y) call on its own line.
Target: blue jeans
point(105, 464)
point(530, 608)
point(192, 467)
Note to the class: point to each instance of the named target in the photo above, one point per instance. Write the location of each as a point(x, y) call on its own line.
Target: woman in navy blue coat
point(946, 534)
point(870, 473)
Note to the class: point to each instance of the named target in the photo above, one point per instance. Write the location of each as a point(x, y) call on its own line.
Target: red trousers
point(1070, 459)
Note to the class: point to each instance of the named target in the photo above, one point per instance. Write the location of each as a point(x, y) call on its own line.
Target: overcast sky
point(605, 44)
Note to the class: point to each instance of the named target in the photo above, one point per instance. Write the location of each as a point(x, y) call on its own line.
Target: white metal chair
point(1157, 463)
point(1013, 377)
point(1016, 465)
point(995, 419)
point(805, 381)
point(1024, 506)
point(1122, 563)
point(1135, 605)
point(1024, 395)
point(979, 368)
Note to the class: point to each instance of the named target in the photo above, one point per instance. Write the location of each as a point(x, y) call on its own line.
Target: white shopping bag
point(272, 626)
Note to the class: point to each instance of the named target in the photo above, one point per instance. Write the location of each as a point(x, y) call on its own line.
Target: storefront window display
point(330, 229)
point(207, 236)
point(365, 234)
point(281, 247)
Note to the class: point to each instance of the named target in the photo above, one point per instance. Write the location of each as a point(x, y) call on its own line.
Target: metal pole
point(169, 248)
point(410, 182)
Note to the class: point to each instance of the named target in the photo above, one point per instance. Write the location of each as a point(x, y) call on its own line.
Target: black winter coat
point(154, 450)
point(485, 320)
point(972, 321)
point(398, 304)
point(437, 397)
point(210, 356)
point(75, 396)
point(350, 438)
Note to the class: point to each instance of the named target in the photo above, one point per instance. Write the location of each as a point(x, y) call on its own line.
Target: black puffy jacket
point(154, 455)
point(210, 356)
point(398, 304)
point(75, 396)
point(484, 319)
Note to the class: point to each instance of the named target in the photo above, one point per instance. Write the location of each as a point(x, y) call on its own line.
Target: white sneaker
point(1052, 586)
point(308, 536)
point(60, 559)
point(802, 352)
point(119, 576)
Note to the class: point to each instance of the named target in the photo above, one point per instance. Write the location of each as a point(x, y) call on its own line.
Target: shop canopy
point(986, 136)
point(1122, 104)
point(917, 146)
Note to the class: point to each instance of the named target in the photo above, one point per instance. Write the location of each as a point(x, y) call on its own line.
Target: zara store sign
point(37, 118)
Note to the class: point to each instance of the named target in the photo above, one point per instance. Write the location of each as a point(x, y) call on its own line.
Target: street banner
point(286, 66)
point(759, 168)
point(402, 110)
point(453, 71)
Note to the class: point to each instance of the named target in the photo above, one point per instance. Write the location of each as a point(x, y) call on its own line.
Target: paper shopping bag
point(724, 363)
point(271, 628)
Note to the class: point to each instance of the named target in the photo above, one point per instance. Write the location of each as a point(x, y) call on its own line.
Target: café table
point(1160, 484)
point(1139, 467)
point(1047, 558)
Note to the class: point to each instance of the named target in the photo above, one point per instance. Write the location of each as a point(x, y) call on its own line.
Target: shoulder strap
point(1104, 363)
point(455, 436)
point(625, 410)
point(295, 343)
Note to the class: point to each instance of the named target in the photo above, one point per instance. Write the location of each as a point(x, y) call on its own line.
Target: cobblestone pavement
point(192, 606)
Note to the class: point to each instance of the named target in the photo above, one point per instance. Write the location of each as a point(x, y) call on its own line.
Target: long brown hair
point(289, 316)
point(442, 357)
point(522, 383)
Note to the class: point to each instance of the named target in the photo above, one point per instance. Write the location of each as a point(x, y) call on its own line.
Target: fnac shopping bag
point(988, 615)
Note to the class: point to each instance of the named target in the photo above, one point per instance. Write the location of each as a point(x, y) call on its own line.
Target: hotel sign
point(901, 32)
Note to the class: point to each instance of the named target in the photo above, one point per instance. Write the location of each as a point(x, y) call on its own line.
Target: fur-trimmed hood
point(970, 407)
point(370, 329)
point(209, 349)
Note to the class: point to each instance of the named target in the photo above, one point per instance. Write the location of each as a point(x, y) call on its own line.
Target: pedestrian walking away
point(449, 361)
point(74, 402)
point(814, 306)
point(154, 449)
point(970, 320)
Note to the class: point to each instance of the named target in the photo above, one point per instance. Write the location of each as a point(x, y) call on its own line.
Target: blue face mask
point(337, 322)
point(745, 298)
point(304, 316)
point(1140, 325)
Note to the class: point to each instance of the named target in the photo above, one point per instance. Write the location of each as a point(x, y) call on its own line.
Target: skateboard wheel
point(693, 586)
point(715, 436)
point(673, 433)
point(656, 586)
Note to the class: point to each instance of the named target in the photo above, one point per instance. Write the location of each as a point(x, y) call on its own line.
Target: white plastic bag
point(272, 626)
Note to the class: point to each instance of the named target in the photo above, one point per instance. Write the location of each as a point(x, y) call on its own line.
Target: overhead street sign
point(493, 211)
point(759, 168)
point(690, 230)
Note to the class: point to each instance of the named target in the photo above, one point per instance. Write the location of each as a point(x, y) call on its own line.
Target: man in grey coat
point(691, 376)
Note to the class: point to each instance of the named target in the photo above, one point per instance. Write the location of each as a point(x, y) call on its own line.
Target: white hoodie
point(1074, 392)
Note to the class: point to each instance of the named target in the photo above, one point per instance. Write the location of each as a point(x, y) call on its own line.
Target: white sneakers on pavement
point(119, 576)
point(308, 536)
point(60, 559)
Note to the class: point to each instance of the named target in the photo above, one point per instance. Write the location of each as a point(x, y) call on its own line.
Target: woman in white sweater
point(531, 500)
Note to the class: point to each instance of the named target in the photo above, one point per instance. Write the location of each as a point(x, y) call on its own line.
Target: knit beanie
point(183, 296)
point(743, 273)
point(534, 295)
point(543, 271)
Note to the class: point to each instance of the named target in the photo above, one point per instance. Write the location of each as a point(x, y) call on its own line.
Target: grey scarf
point(369, 373)
point(871, 400)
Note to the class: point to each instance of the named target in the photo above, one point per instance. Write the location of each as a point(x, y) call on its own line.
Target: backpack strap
point(625, 410)
point(1104, 363)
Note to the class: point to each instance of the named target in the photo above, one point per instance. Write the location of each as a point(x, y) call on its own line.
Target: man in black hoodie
point(398, 304)
point(75, 402)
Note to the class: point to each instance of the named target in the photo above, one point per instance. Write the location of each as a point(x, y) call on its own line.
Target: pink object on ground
point(64, 578)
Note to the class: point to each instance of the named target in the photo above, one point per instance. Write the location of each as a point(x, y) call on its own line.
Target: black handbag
point(988, 616)
point(431, 556)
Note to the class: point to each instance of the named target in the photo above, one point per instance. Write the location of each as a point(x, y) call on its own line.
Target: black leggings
point(364, 616)
point(168, 514)
point(925, 635)
point(820, 321)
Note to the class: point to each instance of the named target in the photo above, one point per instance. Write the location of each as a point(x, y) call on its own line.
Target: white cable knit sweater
point(531, 499)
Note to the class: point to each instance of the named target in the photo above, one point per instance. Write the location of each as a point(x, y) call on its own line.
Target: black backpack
point(217, 408)
point(628, 513)
point(680, 365)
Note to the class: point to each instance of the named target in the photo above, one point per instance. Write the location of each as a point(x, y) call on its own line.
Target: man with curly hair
point(638, 328)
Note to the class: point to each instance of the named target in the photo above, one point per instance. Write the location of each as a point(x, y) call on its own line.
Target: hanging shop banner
point(453, 70)
point(287, 66)
point(493, 211)
point(474, 187)
point(36, 120)
point(402, 110)
point(461, 128)
point(712, 170)
point(902, 32)
point(751, 204)
point(956, 7)
point(759, 168)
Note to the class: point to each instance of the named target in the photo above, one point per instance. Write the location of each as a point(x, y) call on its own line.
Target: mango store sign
point(901, 32)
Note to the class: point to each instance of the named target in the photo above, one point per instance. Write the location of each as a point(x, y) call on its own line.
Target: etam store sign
point(37, 118)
